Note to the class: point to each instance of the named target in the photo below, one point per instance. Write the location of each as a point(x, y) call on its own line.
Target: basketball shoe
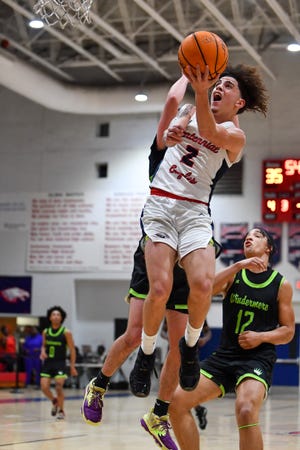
point(201, 413)
point(159, 428)
point(54, 407)
point(189, 373)
point(60, 415)
point(140, 376)
point(92, 404)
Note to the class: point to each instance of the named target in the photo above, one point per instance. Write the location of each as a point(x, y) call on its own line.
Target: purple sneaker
point(92, 404)
point(159, 428)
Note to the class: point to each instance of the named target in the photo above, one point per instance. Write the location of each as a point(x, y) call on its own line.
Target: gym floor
point(26, 423)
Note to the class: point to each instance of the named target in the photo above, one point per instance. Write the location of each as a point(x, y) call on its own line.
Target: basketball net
point(63, 12)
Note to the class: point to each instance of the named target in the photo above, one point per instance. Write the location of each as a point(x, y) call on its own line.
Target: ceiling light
point(293, 47)
point(36, 23)
point(141, 97)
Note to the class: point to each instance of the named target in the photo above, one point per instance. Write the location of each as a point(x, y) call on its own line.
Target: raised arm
point(224, 279)
point(174, 98)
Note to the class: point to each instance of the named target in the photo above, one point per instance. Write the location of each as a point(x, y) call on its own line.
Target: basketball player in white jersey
point(176, 217)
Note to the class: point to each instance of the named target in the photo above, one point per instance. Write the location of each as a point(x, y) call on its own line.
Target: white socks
point(192, 335)
point(148, 343)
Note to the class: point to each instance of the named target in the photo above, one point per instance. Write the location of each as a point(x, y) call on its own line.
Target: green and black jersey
point(251, 303)
point(56, 343)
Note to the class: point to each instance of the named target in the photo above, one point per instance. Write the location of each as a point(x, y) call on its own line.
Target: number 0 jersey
point(56, 343)
point(251, 303)
point(191, 169)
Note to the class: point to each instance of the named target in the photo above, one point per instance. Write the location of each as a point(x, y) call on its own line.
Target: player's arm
point(71, 345)
point(224, 278)
point(174, 98)
point(43, 354)
point(284, 332)
point(174, 133)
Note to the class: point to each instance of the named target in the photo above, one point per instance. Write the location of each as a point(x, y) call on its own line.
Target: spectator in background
point(8, 348)
point(31, 351)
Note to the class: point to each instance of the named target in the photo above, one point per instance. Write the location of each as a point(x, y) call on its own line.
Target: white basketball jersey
point(191, 169)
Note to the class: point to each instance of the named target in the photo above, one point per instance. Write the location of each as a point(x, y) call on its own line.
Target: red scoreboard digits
point(281, 190)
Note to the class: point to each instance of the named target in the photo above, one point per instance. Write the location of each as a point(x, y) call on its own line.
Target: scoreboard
point(281, 190)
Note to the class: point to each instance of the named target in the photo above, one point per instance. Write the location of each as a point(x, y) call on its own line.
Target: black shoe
point(189, 373)
point(201, 413)
point(140, 376)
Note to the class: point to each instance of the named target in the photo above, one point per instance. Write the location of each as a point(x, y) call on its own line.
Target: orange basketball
point(203, 48)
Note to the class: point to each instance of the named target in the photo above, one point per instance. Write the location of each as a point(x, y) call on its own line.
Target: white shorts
point(185, 226)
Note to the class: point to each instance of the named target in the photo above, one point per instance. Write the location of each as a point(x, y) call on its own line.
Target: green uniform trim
point(255, 377)
point(260, 285)
point(250, 425)
point(136, 294)
point(209, 376)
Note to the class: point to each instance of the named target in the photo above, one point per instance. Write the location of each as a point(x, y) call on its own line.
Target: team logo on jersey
point(258, 372)
point(161, 235)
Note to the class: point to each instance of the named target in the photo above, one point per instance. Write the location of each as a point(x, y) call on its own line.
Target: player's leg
point(199, 266)
point(156, 422)
point(249, 398)
point(160, 259)
point(122, 347)
point(46, 389)
point(182, 419)
point(59, 388)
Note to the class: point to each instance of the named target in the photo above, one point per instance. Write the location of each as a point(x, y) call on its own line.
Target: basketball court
point(26, 423)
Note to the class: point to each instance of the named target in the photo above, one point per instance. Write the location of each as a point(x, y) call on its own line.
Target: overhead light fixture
point(141, 97)
point(293, 47)
point(36, 24)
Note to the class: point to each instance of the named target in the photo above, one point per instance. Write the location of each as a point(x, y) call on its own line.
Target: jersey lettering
point(192, 153)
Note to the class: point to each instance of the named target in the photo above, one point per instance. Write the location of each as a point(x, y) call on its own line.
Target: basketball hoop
point(63, 12)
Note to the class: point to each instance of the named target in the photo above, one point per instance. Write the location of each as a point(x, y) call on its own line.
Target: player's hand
point(200, 82)
point(249, 339)
point(173, 135)
point(255, 263)
point(73, 371)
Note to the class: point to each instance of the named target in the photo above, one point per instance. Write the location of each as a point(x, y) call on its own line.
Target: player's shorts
point(229, 370)
point(139, 285)
point(184, 226)
point(54, 369)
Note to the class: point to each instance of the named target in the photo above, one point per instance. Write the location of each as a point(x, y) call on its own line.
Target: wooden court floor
point(26, 423)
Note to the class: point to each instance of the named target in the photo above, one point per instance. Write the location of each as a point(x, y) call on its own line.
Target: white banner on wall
point(64, 233)
point(122, 229)
point(85, 231)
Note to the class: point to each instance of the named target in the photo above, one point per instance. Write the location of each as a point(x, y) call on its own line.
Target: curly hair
point(57, 308)
point(251, 86)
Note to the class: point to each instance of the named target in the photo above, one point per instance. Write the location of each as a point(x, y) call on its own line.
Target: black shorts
point(54, 369)
point(139, 285)
point(228, 370)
